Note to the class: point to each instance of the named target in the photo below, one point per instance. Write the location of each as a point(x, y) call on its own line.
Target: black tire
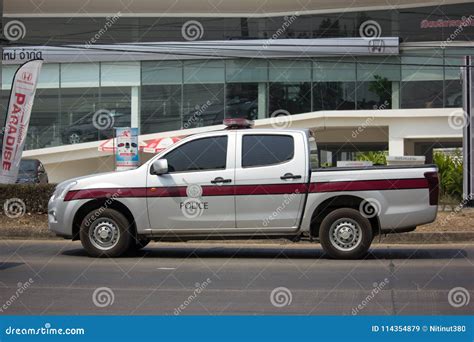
point(111, 223)
point(345, 234)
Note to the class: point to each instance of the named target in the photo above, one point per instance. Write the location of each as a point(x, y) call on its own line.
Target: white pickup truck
point(243, 183)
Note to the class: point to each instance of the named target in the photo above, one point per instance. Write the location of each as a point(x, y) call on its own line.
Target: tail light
point(433, 186)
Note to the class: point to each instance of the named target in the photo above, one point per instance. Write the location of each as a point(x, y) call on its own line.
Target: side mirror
point(159, 167)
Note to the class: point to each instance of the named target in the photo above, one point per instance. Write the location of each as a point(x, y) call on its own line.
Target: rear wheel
point(345, 234)
point(105, 233)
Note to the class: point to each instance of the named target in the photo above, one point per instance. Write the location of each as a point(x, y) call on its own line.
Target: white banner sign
point(18, 117)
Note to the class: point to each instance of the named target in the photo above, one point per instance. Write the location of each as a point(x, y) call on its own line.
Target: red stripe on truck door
point(368, 185)
point(254, 189)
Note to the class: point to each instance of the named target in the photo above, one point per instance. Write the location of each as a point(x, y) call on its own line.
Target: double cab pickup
point(243, 183)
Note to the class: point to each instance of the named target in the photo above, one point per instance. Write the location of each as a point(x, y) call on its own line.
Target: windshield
point(28, 166)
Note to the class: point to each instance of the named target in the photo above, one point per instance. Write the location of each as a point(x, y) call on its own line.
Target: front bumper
point(61, 216)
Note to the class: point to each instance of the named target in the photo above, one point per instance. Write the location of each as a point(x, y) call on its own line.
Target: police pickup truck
point(243, 183)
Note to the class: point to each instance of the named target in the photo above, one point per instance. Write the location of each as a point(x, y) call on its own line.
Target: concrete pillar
point(396, 146)
point(396, 95)
point(135, 107)
point(262, 100)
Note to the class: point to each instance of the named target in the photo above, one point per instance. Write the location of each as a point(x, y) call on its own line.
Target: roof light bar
point(238, 123)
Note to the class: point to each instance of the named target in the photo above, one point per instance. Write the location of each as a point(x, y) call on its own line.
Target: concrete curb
point(403, 238)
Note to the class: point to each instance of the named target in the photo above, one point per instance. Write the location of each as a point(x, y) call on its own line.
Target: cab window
point(198, 155)
point(264, 150)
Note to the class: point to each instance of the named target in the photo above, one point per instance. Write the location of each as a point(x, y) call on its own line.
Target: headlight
point(61, 191)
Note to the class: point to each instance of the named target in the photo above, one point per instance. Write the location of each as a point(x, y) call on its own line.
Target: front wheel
point(105, 233)
point(345, 234)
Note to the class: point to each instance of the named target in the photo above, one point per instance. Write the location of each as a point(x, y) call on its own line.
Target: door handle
point(220, 180)
point(290, 176)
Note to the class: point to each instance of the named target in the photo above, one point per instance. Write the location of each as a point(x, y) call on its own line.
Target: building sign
point(18, 118)
point(252, 48)
point(462, 22)
point(126, 151)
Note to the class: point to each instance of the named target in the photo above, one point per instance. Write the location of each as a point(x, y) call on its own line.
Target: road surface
point(56, 277)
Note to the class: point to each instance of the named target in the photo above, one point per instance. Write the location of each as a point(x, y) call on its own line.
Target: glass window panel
point(453, 93)
point(246, 70)
point(78, 106)
point(49, 76)
point(7, 75)
point(199, 155)
point(120, 74)
point(242, 100)
point(256, 149)
point(422, 94)
point(339, 70)
point(333, 96)
point(162, 72)
point(422, 65)
point(160, 108)
point(452, 68)
point(204, 72)
point(293, 97)
point(289, 71)
point(75, 75)
point(116, 101)
point(203, 105)
point(44, 128)
point(374, 95)
point(370, 69)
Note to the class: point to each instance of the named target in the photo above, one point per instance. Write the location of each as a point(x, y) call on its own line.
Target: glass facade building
point(175, 94)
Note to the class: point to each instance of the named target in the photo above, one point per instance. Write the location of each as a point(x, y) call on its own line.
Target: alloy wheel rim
point(74, 138)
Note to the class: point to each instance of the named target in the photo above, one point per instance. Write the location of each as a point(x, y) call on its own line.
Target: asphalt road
point(225, 279)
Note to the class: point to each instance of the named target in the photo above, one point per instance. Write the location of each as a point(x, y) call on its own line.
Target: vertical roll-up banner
point(18, 118)
point(126, 149)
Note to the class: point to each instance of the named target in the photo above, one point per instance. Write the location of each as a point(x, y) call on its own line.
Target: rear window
point(263, 150)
